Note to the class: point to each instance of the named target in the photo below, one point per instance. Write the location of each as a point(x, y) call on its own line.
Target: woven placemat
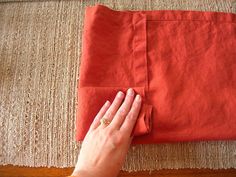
point(40, 48)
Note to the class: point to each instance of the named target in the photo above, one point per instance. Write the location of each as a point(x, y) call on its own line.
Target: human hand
point(105, 147)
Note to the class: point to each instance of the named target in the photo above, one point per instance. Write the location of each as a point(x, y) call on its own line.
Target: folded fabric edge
point(144, 121)
point(88, 108)
point(215, 16)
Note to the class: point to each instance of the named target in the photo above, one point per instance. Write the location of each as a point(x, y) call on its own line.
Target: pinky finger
point(99, 115)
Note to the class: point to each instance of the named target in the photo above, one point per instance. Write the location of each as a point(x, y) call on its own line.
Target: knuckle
point(118, 140)
point(122, 112)
point(130, 116)
point(123, 136)
point(109, 133)
point(108, 115)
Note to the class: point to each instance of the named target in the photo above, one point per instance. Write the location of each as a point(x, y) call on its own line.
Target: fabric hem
point(139, 49)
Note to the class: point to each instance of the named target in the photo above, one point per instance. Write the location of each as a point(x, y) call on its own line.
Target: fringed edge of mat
point(209, 154)
point(197, 155)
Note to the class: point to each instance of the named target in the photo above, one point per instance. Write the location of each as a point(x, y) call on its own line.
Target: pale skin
point(105, 147)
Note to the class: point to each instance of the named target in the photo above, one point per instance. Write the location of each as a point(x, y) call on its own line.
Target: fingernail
point(130, 92)
point(120, 93)
point(107, 103)
point(138, 98)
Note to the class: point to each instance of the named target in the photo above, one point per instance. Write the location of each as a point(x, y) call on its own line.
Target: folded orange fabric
point(182, 63)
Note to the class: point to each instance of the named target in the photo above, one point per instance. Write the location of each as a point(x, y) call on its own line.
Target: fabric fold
point(140, 48)
point(91, 100)
point(144, 121)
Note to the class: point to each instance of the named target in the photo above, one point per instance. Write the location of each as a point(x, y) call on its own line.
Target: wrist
point(81, 173)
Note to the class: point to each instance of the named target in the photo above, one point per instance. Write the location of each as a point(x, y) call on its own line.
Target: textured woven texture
point(40, 47)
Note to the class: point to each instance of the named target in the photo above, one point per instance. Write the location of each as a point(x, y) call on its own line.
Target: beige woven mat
point(40, 45)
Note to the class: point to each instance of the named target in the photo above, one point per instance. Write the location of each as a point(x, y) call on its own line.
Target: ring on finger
point(104, 121)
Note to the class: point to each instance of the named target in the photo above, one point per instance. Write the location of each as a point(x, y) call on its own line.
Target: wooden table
point(15, 171)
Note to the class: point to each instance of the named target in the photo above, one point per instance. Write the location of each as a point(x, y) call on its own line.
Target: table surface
point(15, 171)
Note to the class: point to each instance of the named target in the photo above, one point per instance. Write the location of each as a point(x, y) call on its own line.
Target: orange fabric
point(183, 63)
